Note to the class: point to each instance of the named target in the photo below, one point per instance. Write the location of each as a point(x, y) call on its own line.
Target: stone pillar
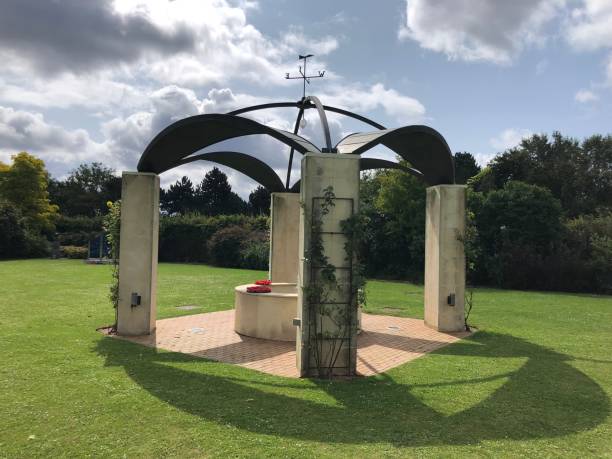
point(138, 253)
point(445, 257)
point(284, 231)
point(341, 172)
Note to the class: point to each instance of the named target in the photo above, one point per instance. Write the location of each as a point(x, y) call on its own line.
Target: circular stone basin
point(266, 315)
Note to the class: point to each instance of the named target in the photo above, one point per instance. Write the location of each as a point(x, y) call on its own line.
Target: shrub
point(77, 231)
point(13, 235)
point(187, 238)
point(588, 238)
point(72, 251)
point(256, 252)
point(16, 239)
point(226, 246)
point(515, 225)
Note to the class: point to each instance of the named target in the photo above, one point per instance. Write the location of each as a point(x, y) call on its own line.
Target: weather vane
point(303, 76)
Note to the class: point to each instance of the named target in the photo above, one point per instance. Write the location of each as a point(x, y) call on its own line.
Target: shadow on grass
point(546, 397)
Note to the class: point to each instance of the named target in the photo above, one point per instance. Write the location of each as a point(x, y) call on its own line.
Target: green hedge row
point(238, 241)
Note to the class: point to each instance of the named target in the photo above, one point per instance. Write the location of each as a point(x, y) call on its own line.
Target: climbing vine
point(112, 227)
point(332, 323)
point(472, 253)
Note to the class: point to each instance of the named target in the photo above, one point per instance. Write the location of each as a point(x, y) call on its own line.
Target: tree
point(259, 201)
point(24, 185)
point(517, 221)
point(179, 198)
point(86, 190)
point(465, 167)
point(578, 174)
point(395, 238)
point(13, 240)
point(214, 195)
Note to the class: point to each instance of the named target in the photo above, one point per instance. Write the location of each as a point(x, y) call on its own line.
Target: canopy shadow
point(546, 397)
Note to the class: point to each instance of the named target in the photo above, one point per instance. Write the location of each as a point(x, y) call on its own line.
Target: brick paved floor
point(385, 342)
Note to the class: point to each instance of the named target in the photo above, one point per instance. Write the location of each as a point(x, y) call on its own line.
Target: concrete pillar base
point(284, 237)
point(445, 258)
point(138, 253)
point(317, 333)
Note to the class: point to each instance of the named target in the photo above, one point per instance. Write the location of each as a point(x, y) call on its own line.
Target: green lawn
point(535, 381)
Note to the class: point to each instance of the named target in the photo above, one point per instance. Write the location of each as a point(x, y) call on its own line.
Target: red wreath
point(263, 282)
point(258, 289)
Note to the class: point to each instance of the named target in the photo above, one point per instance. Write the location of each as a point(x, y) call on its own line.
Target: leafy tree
point(24, 184)
point(393, 205)
point(179, 198)
point(578, 174)
point(13, 240)
point(465, 167)
point(517, 220)
point(259, 201)
point(214, 195)
point(483, 182)
point(86, 190)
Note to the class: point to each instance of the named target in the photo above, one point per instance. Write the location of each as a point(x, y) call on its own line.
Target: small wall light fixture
point(135, 300)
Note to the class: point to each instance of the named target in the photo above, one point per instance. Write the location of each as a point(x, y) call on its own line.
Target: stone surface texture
point(320, 171)
point(266, 315)
point(445, 257)
point(138, 253)
point(284, 233)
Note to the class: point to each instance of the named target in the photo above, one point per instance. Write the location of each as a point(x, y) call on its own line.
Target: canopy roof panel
point(423, 147)
point(192, 134)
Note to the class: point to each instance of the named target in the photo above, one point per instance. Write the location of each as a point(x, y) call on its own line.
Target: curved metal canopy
point(246, 164)
point(189, 135)
point(423, 147)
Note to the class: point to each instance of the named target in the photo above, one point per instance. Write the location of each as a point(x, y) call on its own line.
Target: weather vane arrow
point(303, 74)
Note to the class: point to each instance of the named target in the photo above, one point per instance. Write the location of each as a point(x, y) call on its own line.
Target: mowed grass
point(535, 381)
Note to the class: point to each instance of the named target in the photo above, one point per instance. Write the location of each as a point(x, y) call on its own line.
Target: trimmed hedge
point(72, 251)
point(77, 231)
point(225, 240)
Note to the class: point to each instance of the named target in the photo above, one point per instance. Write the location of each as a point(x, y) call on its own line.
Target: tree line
point(539, 215)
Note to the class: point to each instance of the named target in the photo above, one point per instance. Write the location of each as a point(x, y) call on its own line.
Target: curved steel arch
point(423, 147)
point(243, 163)
point(300, 104)
point(323, 120)
point(185, 137)
point(366, 164)
point(292, 150)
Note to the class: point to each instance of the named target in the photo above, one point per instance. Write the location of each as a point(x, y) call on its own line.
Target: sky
point(96, 80)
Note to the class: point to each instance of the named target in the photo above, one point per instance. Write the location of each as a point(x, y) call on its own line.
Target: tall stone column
point(284, 237)
point(138, 253)
point(445, 257)
point(327, 332)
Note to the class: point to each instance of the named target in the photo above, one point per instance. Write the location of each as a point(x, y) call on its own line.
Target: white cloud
point(585, 96)
point(590, 26)
point(404, 109)
point(92, 91)
point(226, 47)
point(297, 40)
point(509, 138)
point(61, 149)
point(478, 30)
point(134, 46)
